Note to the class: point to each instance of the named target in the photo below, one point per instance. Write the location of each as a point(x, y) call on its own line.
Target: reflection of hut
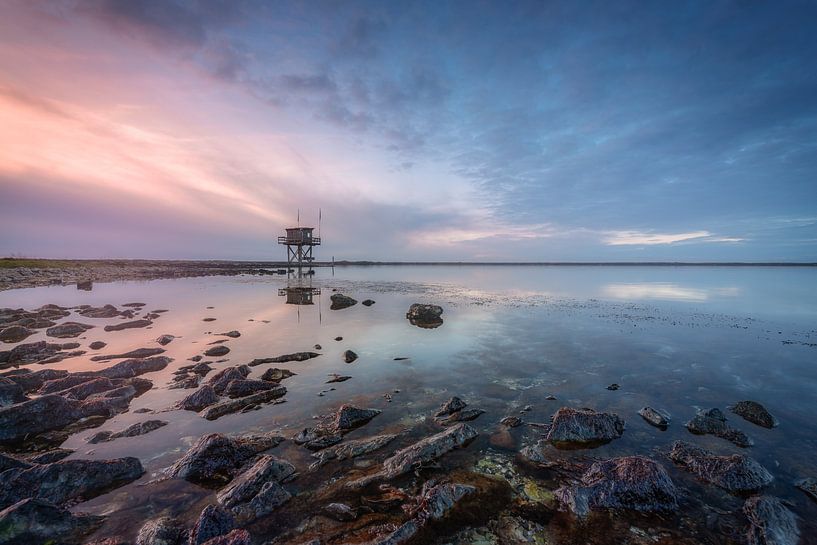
point(298, 295)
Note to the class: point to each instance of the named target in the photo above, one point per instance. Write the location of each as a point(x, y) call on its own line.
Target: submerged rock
point(809, 486)
point(770, 522)
point(214, 521)
point(216, 458)
point(65, 480)
point(162, 531)
point(755, 413)
point(128, 325)
point(713, 422)
point(420, 453)
point(140, 428)
point(735, 473)
point(658, 418)
point(349, 356)
point(583, 428)
point(33, 521)
point(297, 356)
point(198, 400)
point(67, 330)
point(425, 316)
point(217, 351)
point(340, 301)
point(632, 482)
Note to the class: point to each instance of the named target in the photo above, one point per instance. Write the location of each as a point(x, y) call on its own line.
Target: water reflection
point(654, 290)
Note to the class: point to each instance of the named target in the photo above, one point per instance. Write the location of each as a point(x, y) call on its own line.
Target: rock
point(232, 334)
point(657, 418)
point(423, 452)
point(736, 473)
point(140, 428)
point(165, 339)
point(217, 351)
point(451, 406)
point(196, 358)
point(349, 417)
point(162, 531)
point(338, 339)
point(583, 428)
point(323, 441)
point(318, 347)
point(276, 375)
point(31, 382)
point(271, 496)
point(349, 356)
point(613, 387)
point(340, 301)
point(54, 455)
point(208, 319)
point(15, 333)
point(337, 378)
point(713, 422)
point(135, 367)
point(755, 413)
point(216, 458)
point(236, 537)
point(134, 305)
point(297, 356)
point(341, 511)
point(138, 353)
point(511, 421)
point(67, 329)
point(634, 483)
point(201, 369)
point(184, 382)
point(248, 484)
point(213, 521)
point(89, 387)
point(244, 387)
point(198, 400)
point(234, 405)
point(220, 380)
point(65, 480)
point(351, 449)
point(128, 325)
point(367, 302)
point(97, 345)
point(425, 316)
point(8, 462)
point(62, 384)
point(33, 521)
point(465, 415)
point(809, 486)
point(10, 392)
point(107, 311)
point(40, 352)
point(770, 522)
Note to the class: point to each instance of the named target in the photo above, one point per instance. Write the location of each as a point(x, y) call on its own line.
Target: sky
point(419, 131)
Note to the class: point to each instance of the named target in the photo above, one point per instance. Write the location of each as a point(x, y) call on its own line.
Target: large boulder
point(736, 473)
point(583, 428)
point(162, 531)
point(216, 458)
point(632, 482)
point(713, 422)
point(34, 521)
point(425, 316)
point(770, 522)
point(249, 483)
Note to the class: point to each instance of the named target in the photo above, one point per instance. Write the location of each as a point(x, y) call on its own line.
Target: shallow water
point(675, 338)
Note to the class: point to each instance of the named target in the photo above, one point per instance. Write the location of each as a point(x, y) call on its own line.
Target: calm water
point(675, 338)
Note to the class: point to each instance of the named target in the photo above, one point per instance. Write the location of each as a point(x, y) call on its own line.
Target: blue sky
point(488, 131)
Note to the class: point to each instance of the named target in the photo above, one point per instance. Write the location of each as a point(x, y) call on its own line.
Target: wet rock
point(340, 301)
point(128, 325)
point(245, 387)
point(198, 400)
point(232, 334)
point(349, 356)
point(138, 353)
point(89, 387)
point(338, 339)
point(217, 351)
point(425, 316)
point(367, 302)
point(201, 369)
point(34, 521)
point(40, 352)
point(276, 375)
point(634, 483)
point(583, 428)
point(318, 347)
point(511, 421)
point(349, 417)
point(251, 494)
point(140, 428)
point(613, 387)
point(31, 382)
point(465, 415)
point(134, 305)
point(770, 522)
point(216, 458)
point(297, 356)
point(340, 511)
point(655, 417)
point(135, 367)
point(337, 378)
point(10, 392)
point(196, 358)
point(8, 462)
point(323, 441)
point(107, 311)
point(54, 455)
point(755, 413)
point(67, 329)
point(236, 537)
point(15, 333)
point(809, 486)
point(351, 449)
point(713, 422)
point(736, 473)
point(62, 481)
point(423, 452)
point(162, 531)
point(213, 521)
point(184, 382)
point(234, 405)
point(97, 345)
point(451, 406)
point(165, 340)
point(61, 384)
point(220, 380)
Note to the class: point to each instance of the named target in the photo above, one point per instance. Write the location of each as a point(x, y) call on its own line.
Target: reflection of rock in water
point(425, 316)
